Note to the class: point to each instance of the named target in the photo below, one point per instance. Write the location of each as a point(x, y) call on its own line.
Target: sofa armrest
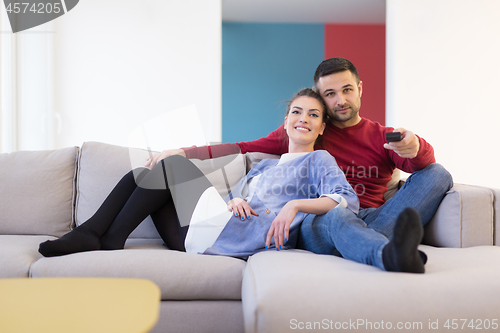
point(466, 217)
point(496, 225)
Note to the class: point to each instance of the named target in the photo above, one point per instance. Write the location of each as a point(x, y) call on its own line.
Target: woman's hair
point(308, 92)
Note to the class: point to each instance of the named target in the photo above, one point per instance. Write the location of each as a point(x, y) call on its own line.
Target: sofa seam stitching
point(492, 226)
point(254, 282)
point(77, 183)
point(75, 187)
point(461, 222)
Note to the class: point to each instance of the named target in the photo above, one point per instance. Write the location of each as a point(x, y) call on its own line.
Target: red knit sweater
point(359, 151)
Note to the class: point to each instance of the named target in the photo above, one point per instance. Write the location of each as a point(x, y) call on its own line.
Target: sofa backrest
point(102, 165)
point(37, 192)
point(48, 192)
point(253, 158)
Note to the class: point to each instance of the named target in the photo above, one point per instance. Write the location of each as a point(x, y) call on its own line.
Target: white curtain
point(7, 85)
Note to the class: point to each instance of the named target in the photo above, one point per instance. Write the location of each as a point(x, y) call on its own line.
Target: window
point(7, 85)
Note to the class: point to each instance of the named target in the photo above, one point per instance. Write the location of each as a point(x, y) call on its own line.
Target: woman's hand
point(280, 227)
point(240, 207)
point(155, 158)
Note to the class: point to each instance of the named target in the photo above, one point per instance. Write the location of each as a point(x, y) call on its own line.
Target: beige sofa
point(44, 194)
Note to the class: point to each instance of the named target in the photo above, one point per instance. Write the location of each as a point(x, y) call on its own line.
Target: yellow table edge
point(78, 305)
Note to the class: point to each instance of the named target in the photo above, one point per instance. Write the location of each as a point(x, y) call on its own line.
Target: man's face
point(342, 95)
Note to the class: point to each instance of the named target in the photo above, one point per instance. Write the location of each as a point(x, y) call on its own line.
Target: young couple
point(385, 235)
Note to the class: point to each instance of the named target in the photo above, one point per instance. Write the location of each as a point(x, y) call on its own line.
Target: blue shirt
point(305, 177)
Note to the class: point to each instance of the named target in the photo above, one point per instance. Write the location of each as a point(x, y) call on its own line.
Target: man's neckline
point(347, 128)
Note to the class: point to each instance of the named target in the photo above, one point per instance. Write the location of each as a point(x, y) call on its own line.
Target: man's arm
point(412, 153)
point(155, 158)
point(274, 143)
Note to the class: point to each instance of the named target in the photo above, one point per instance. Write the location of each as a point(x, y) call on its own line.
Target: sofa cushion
point(393, 185)
point(101, 166)
point(284, 291)
point(465, 217)
point(18, 253)
point(253, 158)
point(180, 275)
point(218, 316)
point(37, 192)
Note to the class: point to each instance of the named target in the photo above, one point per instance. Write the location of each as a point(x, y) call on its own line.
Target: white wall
point(443, 72)
point(120, 63)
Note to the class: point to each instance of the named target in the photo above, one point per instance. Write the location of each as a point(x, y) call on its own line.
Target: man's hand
point(409, 145)
point(154, 159)
point(280, 227)
point(241, 208)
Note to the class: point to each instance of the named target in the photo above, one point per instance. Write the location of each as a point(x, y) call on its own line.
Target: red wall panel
point(364, 46)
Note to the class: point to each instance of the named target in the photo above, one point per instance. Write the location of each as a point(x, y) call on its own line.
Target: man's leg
point(341, 230)
point(422, 191)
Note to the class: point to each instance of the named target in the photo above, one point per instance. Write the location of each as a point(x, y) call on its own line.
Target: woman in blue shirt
point(269, 204)
point(284, 191)
point(263, 211)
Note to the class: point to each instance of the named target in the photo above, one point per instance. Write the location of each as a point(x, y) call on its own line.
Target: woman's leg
point(186, 183)
point(86, 236)
point(166, 222)
point(129, 204)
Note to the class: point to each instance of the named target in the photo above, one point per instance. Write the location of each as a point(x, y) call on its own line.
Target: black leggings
point(143, 192)
point(139, 193)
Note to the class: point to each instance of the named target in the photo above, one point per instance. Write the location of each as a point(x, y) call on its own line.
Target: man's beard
point(344, 117)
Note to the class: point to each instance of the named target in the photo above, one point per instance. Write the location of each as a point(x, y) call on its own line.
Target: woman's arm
point(241, 208)
point(281, 225)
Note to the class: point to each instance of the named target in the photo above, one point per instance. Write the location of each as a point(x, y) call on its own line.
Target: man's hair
point(332, 66)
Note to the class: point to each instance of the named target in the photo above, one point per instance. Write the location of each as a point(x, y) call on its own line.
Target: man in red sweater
point(360, 149)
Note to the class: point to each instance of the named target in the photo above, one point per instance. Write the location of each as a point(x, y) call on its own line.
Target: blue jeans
point(362, 238)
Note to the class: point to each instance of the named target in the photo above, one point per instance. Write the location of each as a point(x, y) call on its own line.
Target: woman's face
point(304, 122)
